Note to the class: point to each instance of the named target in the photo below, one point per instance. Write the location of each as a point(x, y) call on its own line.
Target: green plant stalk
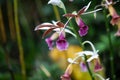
point(21, 54)
point(87, 65)
point(4, 40)
point(56, 12)
point(2, 27)
point(110, 44)
point(10, 19)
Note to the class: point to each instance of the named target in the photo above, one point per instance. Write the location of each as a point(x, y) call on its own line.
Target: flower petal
point(50, 43)
point(83, 66)
point(85, 52)
point(62, 43)
point(83, 30)
point(87, 6)
point(44, 26)
point(95, 56)
point(71, 61)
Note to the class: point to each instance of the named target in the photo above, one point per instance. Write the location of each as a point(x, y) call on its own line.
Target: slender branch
point(21, 54)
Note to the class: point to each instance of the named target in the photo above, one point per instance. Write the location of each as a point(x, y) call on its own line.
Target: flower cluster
point(115, 17)
point(61, 42)
point(87, 57)
point(80, 55)
point(60, 28)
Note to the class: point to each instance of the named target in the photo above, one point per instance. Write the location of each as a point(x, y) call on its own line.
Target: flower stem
point(110, 46)
point(87, 65)
point(21, 54)
point(56, 12)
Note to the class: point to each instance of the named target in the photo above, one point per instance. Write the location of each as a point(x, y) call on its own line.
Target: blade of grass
point(21, 54)
point(10, 19)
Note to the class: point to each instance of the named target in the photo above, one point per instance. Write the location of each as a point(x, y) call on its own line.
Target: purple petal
point(83, 30)
point(65, 77)
point(97, 67)
point(80, 22)
point(83, 66)
point(62, 43)
point(50, 43)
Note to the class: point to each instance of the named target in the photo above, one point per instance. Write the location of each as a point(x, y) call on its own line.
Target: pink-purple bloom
point(62, 43)
point(83, 66)
point(66, 75)
point(97, 66)
point(115, 17)
point(83, 29)
point(59, 27)
point(50, 43)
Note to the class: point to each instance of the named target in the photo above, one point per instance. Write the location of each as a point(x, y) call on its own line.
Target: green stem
point(110, 46)
point(56, 12)
point(21, 54)
point(87, 65)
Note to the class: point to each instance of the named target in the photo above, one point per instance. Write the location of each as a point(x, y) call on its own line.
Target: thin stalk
point(87, 65)
point(110, 46)
point(10, 19)
point(4, 40)
point(56, 12)
point(2, 27)
point(21, 54)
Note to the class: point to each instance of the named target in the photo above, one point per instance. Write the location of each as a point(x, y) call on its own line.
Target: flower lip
point(83, 30)
point(62, 43)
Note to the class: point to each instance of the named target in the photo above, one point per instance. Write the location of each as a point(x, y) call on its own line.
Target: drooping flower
point(115, 17)
point(59, 29)
point(83, 28)
point(66, 75)
point(93, 56)
point(62, 43)
point(83, 66)
point(98, 66)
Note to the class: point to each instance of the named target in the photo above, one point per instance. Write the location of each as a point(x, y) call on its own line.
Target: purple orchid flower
point(62, 43)
point(115, 17)
point(98, 66)
point(83, 29)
